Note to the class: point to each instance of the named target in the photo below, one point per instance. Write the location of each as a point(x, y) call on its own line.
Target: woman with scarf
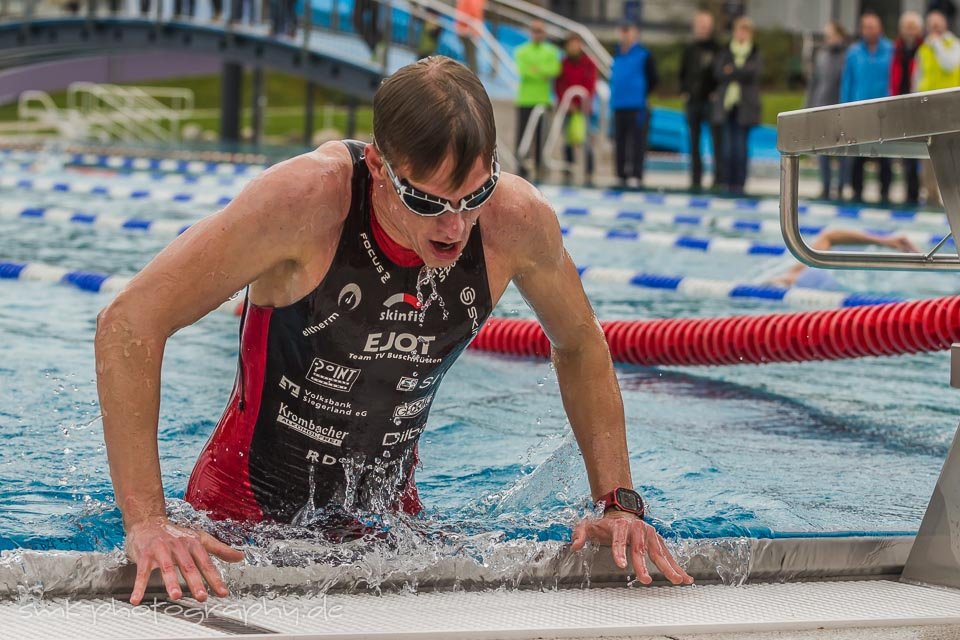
point(736, 103)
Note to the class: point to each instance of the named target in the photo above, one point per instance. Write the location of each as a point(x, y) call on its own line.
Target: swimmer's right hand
point(159, 544)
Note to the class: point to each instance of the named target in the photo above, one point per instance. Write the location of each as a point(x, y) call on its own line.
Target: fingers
point(219, 549)
point(685, 578)
point(638, 553)
point(209, 570)
point(662, 558)
point(169, 573)
point(188, 569)
point(140, 584)
point(621, 532)
point(579, 536)
point(665, 561)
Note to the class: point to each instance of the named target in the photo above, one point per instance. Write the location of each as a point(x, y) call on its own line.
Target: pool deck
point(844, 608)
point(793, 587)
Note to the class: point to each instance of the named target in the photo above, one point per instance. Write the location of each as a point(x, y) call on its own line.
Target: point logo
point(332, 375)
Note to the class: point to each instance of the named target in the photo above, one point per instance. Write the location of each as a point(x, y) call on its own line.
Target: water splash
point(430, 276)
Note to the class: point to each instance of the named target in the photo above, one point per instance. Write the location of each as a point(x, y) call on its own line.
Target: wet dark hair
point(431, 108)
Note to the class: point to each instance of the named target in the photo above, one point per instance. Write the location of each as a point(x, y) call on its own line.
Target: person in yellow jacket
point(538, 63)
point(938, 67)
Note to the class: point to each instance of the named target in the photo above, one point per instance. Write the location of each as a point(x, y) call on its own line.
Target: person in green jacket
point(938, 67)
point(538, 63)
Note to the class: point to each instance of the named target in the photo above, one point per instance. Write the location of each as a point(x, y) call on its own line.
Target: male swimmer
point(800, 275)
point(370, 268)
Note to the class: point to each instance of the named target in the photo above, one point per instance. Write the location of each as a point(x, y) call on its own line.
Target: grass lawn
point(284, 122)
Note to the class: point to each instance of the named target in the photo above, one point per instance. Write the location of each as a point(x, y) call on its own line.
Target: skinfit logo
point(350, 296)
point(400, 314)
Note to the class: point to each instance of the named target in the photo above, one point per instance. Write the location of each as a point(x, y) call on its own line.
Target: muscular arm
point(548, 280)
point(257, 234)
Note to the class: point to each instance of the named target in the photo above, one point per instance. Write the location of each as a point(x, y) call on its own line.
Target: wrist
point(622, 499)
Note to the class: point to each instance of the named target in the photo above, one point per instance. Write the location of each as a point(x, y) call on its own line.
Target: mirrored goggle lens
point(481, 197)
point(423, 207)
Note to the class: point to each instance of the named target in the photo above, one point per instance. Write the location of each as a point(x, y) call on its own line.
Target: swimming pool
point(737, 451)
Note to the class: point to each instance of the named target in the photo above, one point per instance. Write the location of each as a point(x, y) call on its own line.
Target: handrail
point(478, 27)
point(556, 127)
point(110, 110)
point(916, 125)
point(526, 140)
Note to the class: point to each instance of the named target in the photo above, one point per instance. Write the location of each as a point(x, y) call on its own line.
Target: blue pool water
point(815, 448)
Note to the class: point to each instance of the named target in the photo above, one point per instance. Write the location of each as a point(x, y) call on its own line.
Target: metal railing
point(557, 26)
point(917, 125)
point(106, 112)
point(521, 13)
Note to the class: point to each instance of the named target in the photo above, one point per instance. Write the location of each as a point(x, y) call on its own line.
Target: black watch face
point(628, 500)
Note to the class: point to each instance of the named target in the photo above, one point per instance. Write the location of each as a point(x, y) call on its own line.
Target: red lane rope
point(854, 332)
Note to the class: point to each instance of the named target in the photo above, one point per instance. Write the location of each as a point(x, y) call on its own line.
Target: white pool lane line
point(596, 612)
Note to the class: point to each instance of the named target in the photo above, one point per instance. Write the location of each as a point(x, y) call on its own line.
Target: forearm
point(591, 398)
point(128, 384)
point(850, 237)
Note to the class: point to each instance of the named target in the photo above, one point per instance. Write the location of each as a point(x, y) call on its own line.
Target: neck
point(386, 232)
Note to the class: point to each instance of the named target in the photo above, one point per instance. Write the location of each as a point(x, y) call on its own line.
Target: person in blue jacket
point(866, 75)
point(632, 77)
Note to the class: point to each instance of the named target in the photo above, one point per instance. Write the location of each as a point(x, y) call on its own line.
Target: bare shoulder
point(308, 184)
point(522, 225)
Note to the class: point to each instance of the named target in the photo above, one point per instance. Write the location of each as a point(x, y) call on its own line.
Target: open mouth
point(445, 248)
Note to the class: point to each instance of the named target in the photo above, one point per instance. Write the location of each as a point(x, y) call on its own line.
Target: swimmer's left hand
point(619, 530)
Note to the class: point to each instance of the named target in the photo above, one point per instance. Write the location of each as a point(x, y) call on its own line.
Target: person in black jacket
point(736, 103)
point(697, 83)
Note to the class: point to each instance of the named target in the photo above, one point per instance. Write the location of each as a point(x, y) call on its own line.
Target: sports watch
point(623, 499)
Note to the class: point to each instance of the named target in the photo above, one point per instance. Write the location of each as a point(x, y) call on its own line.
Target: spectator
point(947, 7)
point(902, 82)
point(866, 75)
point(736, 103)
point(471, 9)
point(538, 63)
point(577, 70)
point(697, 83)
point(632, 77)
point(429, 34)
point(366, 22)
point(938, 67)
point(824, 89)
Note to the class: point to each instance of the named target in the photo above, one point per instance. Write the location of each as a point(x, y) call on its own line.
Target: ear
point(375, 163)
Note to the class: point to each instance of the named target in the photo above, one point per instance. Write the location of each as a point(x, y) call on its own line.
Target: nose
point(451, 226)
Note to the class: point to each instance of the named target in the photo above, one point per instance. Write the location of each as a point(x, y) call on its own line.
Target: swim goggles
point(430, 206)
